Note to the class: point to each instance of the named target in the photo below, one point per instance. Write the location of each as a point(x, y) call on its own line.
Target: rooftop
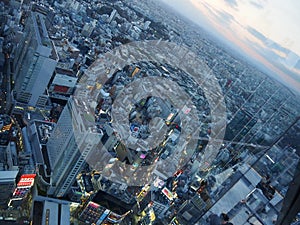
point(53, 210)
point(46, 46)
point(8, 176)
point(64, 80)
point(44, 130)
point(112, 203)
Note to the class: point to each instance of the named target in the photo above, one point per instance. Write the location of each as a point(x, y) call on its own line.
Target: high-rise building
point(160, 204)
point(34, 62)
point(67, 154)
point(94, 213)
point(35, 137)
point(5, 128)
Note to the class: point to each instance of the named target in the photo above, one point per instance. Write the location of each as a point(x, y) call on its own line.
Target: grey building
point(7, 185)
point(191, 210)
point(68, 147)
point(50, 211)
point(34, 62)
point(8, 172)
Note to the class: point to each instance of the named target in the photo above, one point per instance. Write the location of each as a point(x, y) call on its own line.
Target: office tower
point(98, 213)
point(35, 137)
point(34, 62)
point(67, 154)
point(160, 204)
point(118, 209)
point(93, 213)
point(5, 86)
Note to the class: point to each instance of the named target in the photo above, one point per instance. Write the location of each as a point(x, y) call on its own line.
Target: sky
point(266, 30)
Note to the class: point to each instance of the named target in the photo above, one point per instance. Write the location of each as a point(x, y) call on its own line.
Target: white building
point(68, 147)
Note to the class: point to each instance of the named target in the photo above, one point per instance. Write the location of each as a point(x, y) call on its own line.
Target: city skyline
point(262, 30)
point(127, 112)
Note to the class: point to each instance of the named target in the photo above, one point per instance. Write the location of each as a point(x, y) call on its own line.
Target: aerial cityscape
point(128, 112)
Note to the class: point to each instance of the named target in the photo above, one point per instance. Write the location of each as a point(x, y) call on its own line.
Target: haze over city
point(131, 112)
point(266, 31)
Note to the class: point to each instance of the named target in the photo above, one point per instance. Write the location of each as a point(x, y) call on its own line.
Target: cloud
point(232, 3)
point(283, 60)
point(223, 17)
point(256, 34)
point(257, 4)
point(260, 29)
point(226, 18)
point(272, 45)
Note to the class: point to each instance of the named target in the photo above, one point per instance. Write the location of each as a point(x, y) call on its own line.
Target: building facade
point(68, 148)
point(34, 62)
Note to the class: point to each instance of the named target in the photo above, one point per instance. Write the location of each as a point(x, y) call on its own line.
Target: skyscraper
point(67, 154)
point(34, 62)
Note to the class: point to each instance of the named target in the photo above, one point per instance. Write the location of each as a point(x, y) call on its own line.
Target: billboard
point(167, 193)
point(26, 180)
